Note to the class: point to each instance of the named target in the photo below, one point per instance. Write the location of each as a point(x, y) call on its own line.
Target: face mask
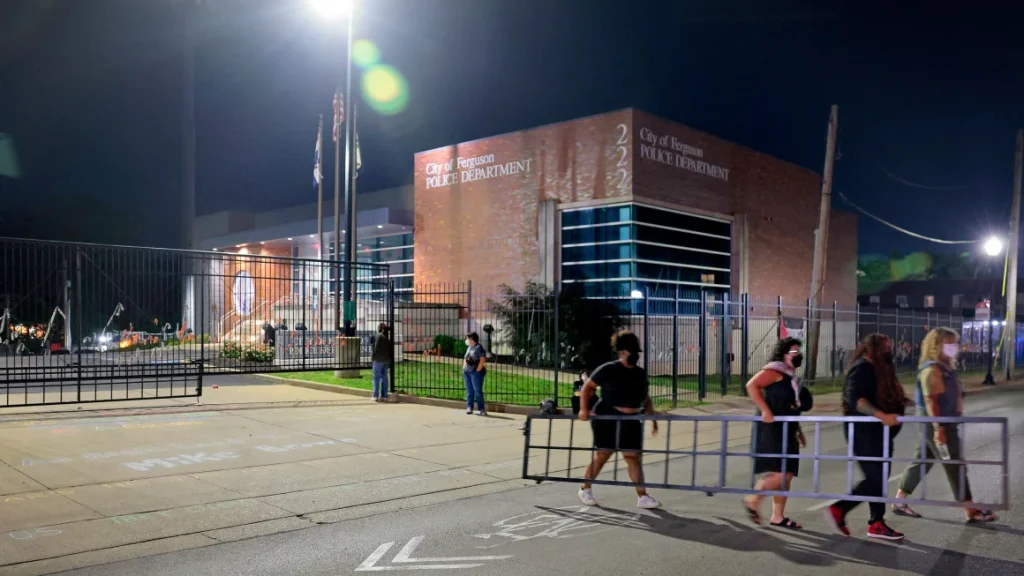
point(798, 359)
point(468, 343)
point(633, 358)
point(887, 357)
point(951, 350)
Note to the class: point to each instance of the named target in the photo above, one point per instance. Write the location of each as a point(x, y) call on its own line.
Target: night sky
point(92, 89)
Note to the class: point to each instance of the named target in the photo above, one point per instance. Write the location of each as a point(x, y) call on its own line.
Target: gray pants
point(916, 472)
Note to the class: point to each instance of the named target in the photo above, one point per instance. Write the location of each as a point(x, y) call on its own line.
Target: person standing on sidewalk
point(776, 391)
point(624, 392)
point(473, 372)
point(940, 394)
point(381, 355)
point(871, 389)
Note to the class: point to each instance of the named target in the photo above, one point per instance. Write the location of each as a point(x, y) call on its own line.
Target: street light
point(330, 9)
point(993, 246)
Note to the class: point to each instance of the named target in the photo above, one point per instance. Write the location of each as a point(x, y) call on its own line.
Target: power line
point(915, 184)
point(903, 230)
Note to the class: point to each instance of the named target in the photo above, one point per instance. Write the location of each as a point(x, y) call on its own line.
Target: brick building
point(624, 201)
point(617, 202)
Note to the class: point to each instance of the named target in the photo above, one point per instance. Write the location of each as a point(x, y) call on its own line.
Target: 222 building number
point(621, 153)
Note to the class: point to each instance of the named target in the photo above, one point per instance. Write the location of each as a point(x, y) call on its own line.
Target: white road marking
point(407, 562)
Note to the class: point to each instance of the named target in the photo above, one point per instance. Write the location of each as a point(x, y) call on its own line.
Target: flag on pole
point(339, 114)
point(359, 153)
point(317, 172)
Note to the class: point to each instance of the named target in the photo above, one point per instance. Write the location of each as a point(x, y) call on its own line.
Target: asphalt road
point(544, 530)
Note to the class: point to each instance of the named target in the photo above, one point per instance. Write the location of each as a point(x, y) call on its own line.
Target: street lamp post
point(993, 246)
point(333, 9)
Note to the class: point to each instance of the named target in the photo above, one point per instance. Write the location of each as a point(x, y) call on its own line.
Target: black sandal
point(788, 524)
point(981, 517)
point(752, 514)
point(904, 510)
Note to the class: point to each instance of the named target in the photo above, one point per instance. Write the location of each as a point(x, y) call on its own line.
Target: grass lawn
point(503, 384)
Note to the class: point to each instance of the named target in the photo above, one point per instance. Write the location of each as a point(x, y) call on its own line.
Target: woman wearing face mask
point(473, 372)
point(871, 389)
point(939, 393)
point(623, 393)
point(776, 392)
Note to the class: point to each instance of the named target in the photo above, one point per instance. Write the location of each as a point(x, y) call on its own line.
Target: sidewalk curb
point(710, 408)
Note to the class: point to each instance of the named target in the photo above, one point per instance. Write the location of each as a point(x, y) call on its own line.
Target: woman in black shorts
point(776, 392)
point(624, 393)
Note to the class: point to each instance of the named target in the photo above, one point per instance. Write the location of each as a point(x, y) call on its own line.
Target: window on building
point(876, 299)
point(929, 301)
point(616, 250)
point(901, 301)
point(958, 300)
point(296, 272)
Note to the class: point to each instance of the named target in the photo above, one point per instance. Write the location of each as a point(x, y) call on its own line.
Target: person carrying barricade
point(624, 392)
point(776, 391)
point(871, 389)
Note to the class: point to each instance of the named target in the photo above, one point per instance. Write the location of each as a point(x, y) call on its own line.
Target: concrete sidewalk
point(83, 489)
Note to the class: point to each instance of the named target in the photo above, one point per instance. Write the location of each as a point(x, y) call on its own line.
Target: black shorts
point(630, 433)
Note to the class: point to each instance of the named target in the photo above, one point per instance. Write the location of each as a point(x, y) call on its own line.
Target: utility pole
point(188, 126)
point(1010, 346)
point(821, 248)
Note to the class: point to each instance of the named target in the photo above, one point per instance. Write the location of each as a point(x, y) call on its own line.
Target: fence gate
point(93, 323)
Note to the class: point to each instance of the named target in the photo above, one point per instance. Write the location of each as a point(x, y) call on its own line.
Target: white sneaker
point(647, 502)
point(587, 497)
point(482, 413)
point(469, 411)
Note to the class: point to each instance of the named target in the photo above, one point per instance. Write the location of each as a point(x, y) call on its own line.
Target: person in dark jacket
point(381, 355)
point(871, 389)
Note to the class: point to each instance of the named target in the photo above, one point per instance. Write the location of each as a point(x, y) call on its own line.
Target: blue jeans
point(474, 388)
point(380, 379)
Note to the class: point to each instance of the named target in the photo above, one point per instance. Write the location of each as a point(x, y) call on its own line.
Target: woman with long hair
point(940, 393)
point(871, 389)
point(776, 391)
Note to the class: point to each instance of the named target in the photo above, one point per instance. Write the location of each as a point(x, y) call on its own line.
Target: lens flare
point(365, 53)
point(385, 89)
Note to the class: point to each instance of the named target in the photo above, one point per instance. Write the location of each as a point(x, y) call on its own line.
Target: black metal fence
point(93, 323)
point(698, 346)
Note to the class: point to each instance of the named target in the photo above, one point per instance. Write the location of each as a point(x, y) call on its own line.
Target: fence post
point(78, 311)
point(725, 335)
point(878, 319)
point(835, 340)
point(393, 333)
point(556, 350)
point(469, 307)
point(647, 321)
point(702, 345)
point(808, 334)
point(201, 322)
point(745, 342)
point(305, 273)
point(778, 323)
point(856, 324)
point(675, 349)
point(896, 335)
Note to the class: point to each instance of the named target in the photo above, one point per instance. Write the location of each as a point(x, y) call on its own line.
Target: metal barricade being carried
point(558, 449)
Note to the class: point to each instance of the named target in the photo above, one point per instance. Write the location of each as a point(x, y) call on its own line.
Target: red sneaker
point(881, 531)
point(836, 518)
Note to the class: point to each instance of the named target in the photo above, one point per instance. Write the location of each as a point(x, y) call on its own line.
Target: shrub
point(258, 353)
point(450, 346)
point(231, 350)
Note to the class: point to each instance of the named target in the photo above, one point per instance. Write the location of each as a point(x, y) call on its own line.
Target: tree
point(527, 326)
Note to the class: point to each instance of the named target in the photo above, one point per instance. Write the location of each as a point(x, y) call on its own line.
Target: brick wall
point(482, 225)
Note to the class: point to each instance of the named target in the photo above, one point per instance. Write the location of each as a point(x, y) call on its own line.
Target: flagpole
point(337, 211)
point(320, 220)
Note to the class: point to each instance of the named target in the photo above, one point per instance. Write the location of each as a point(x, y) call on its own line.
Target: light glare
point(330, 9)
point(993, 246)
